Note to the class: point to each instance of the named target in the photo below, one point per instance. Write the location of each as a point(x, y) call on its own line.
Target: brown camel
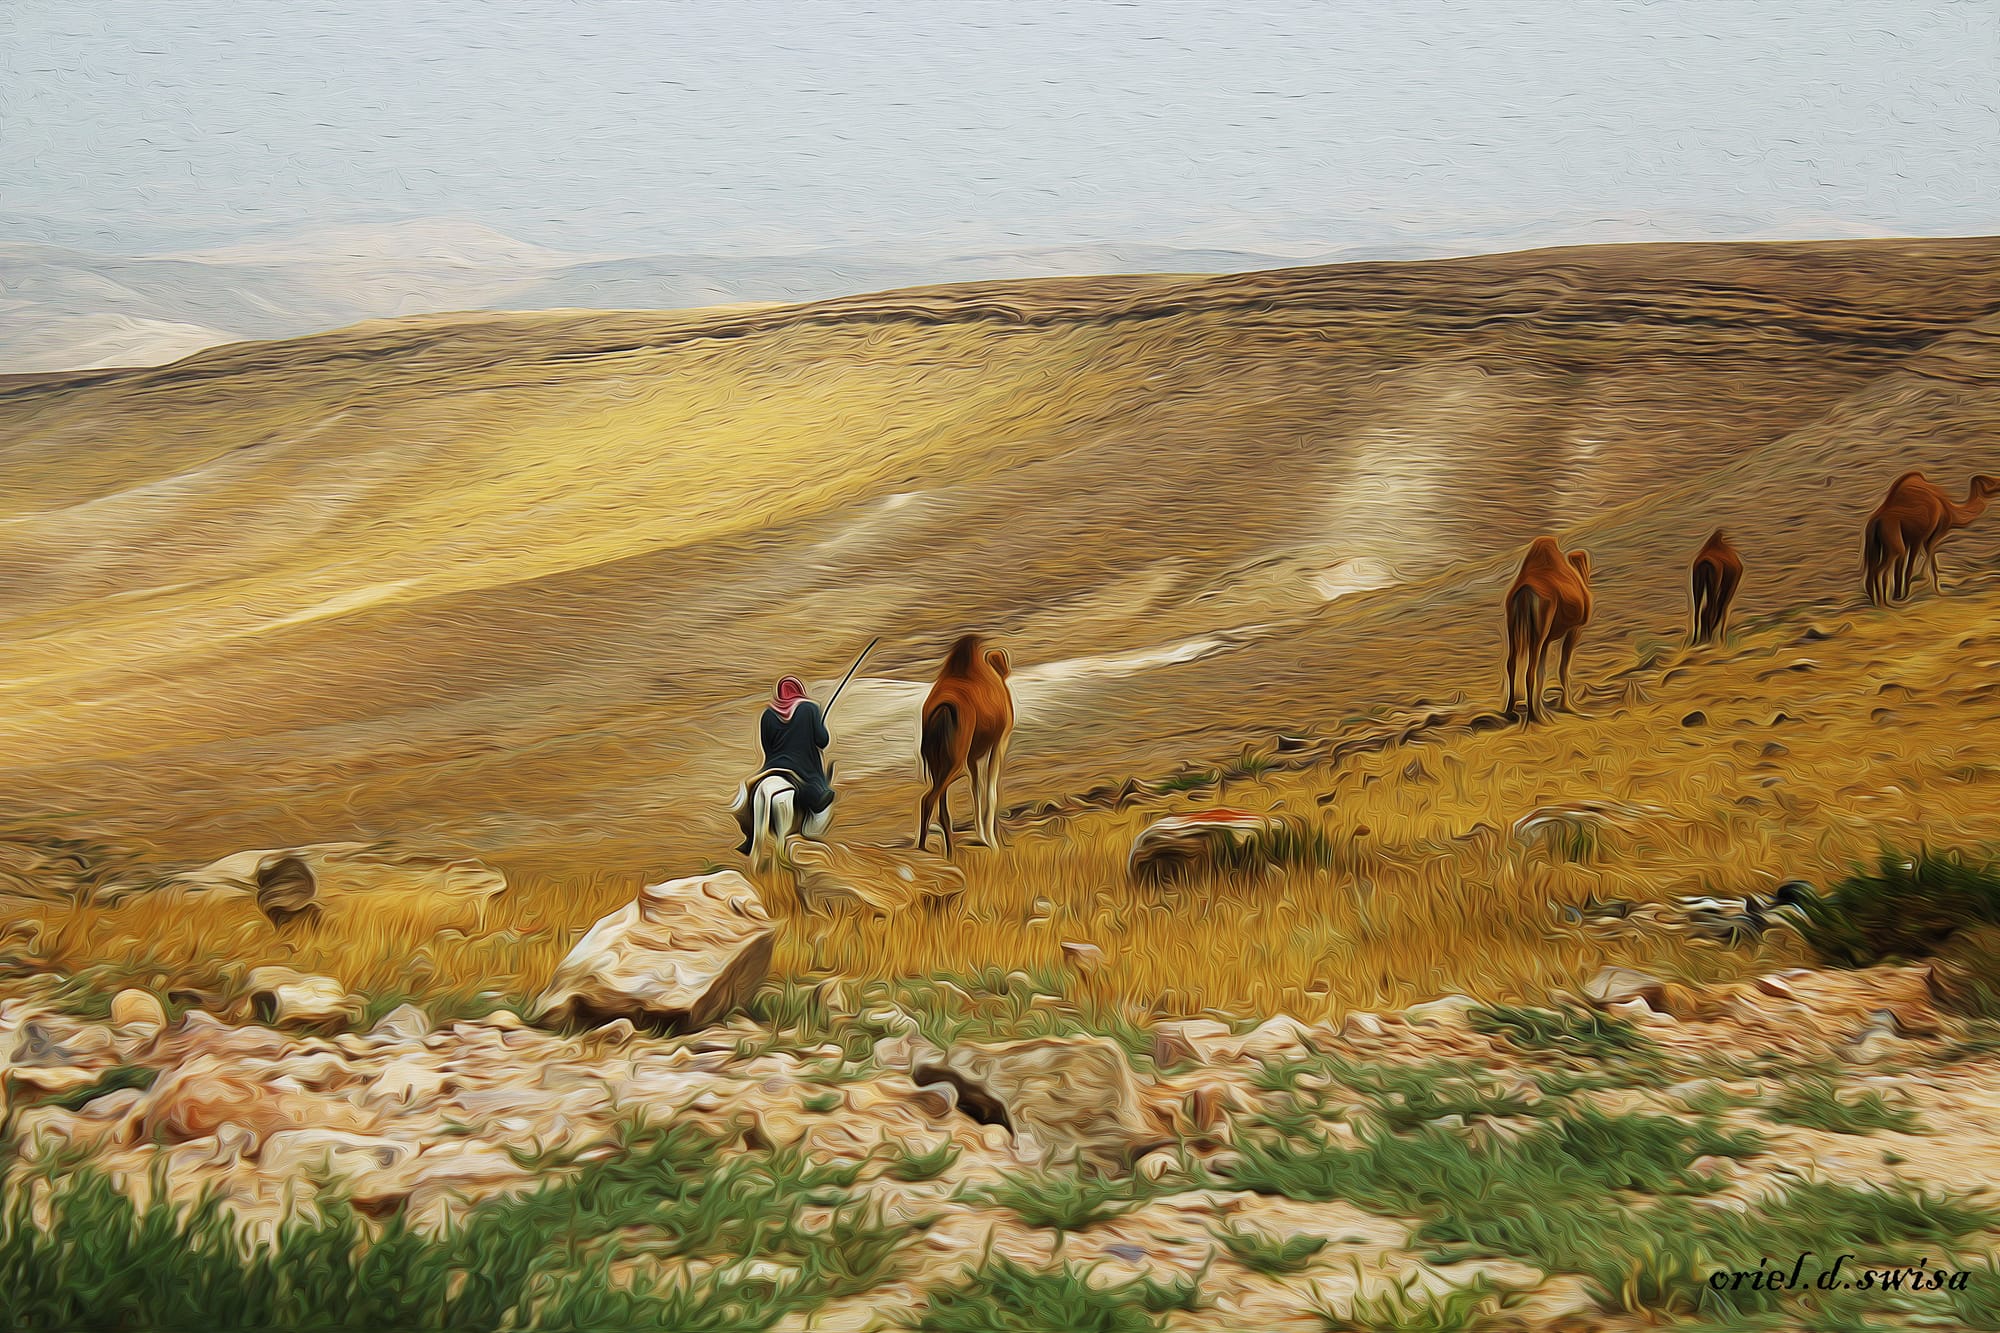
point(967, 720)
point(1718, 569)
point(1550, 600)
point(1906, 529)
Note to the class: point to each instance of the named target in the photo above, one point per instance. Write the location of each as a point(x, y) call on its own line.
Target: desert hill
point(519, 581)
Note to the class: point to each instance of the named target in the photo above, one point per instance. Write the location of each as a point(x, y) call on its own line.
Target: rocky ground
point(1454, 1166)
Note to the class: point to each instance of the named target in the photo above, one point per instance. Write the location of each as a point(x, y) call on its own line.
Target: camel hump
point(963, 654)
point(1717, 539)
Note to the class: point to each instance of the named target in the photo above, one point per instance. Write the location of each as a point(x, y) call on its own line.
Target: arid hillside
point(518, 582)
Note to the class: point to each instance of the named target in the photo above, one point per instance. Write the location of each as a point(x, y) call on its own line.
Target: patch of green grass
point(1609, 1197)
point(112, 1080)
point(1001, 1296)
point(1662, 1262)
point(1190, 780)
point(1976, 1304)
point(1405, 1096)
point(1908, 906)
point(821, 1103)
point(1585, 1033)
point(997, 1005)
point(1404, 1307)
point(1269, 1254)
point(1062, 1201)
point(912, 1167)
point(1818, 1102)
point(1181, 1293)
point(1250, 762)
point(1713, 1099)
point(541, 1260)
point(1536, 1196)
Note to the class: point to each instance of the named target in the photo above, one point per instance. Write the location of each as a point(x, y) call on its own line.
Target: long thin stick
point(849, 676)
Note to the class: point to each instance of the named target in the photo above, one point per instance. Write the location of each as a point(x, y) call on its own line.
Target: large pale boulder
point(683, 955)
point(1067, 1099)
point(283, 998)
point(882, 882)
point(1181, 847)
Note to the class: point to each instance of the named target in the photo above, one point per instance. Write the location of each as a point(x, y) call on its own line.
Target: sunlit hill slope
point(518, 582)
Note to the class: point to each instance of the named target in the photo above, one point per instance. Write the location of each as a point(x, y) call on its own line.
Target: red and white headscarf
point(791, 693)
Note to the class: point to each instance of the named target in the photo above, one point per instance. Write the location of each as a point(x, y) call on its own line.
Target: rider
point(793, 732)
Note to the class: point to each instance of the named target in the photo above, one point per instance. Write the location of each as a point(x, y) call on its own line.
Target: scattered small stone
point(1877, 1042)
point(1695, 719)
point(1364, 1025)
point(1075, 1096)
point(281, 997)
point(1131, 1254)
point(1082, 956)
point(1907, 1021)
point(406, 1022)
point(137, 1008)
point(1446, 1011)
point(1185, 1042)
point(1615, 985)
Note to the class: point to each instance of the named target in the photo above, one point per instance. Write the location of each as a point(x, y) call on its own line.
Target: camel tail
point(940, 730)
point(1522, 608)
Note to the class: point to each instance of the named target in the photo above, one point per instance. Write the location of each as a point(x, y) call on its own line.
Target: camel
point(1906, 529)
point(968, 719)
point(1550, 600)
point(1718, 569)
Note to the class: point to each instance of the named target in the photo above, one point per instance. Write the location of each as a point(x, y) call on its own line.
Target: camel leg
point(925, 809)
point(944, 815)
point(1569, 646)
point(1930, 563)
point(975, 779)
point(993, 761)
point(1513, 656)
point(1538, 655)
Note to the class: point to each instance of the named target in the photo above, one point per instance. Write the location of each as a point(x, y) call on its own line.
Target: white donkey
point(770, 800)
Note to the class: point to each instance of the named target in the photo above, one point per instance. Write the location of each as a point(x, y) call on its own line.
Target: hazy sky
point(649, 126)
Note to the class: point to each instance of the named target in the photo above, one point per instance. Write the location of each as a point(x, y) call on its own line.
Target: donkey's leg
point(784, 822)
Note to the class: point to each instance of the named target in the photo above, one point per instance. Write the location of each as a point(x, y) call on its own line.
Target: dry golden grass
point(520, 580)
point(515, 586)
point(1436, 897)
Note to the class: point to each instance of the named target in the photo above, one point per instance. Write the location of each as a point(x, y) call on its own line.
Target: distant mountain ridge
point(71, 307)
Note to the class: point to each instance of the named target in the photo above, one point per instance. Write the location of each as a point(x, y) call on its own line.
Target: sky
point(609, 126)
